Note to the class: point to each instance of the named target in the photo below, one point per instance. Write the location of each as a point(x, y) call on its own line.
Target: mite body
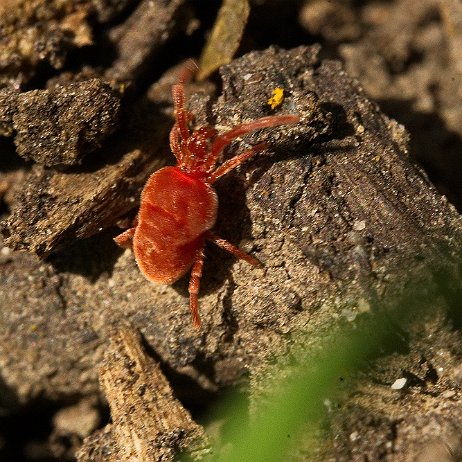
point(178, 206)
point(176, 211)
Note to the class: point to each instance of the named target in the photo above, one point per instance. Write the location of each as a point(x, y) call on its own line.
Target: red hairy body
point(176, 210)
point(178, 206)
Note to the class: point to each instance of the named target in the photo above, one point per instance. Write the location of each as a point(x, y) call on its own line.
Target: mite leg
point(187, 71)
point(224, 244)
point(175, 138)
point(194, 284)
point(175, 147)
point(224, 139)
point(179, 111)
point(224, 168)
point(178, 97)
point(125, 239)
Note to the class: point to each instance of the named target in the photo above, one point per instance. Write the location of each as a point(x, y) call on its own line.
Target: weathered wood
point(148, 423)
point(139, 38)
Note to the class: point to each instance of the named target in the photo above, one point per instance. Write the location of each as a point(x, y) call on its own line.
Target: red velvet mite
point(178, 206)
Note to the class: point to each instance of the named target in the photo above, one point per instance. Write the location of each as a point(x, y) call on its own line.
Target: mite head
point(196, 150)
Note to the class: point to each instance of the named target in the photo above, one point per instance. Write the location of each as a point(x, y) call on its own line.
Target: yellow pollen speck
point(276, 97)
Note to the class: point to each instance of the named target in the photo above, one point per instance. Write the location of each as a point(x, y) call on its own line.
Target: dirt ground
point(345, 209)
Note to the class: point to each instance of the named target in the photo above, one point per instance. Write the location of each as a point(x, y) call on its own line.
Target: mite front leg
point(179, 111)
point(194, 284)
point(178, 96)
point(175, 146)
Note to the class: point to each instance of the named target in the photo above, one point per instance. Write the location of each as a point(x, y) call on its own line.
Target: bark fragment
point(139, 38)
point(148, 423)
point(59, 126)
